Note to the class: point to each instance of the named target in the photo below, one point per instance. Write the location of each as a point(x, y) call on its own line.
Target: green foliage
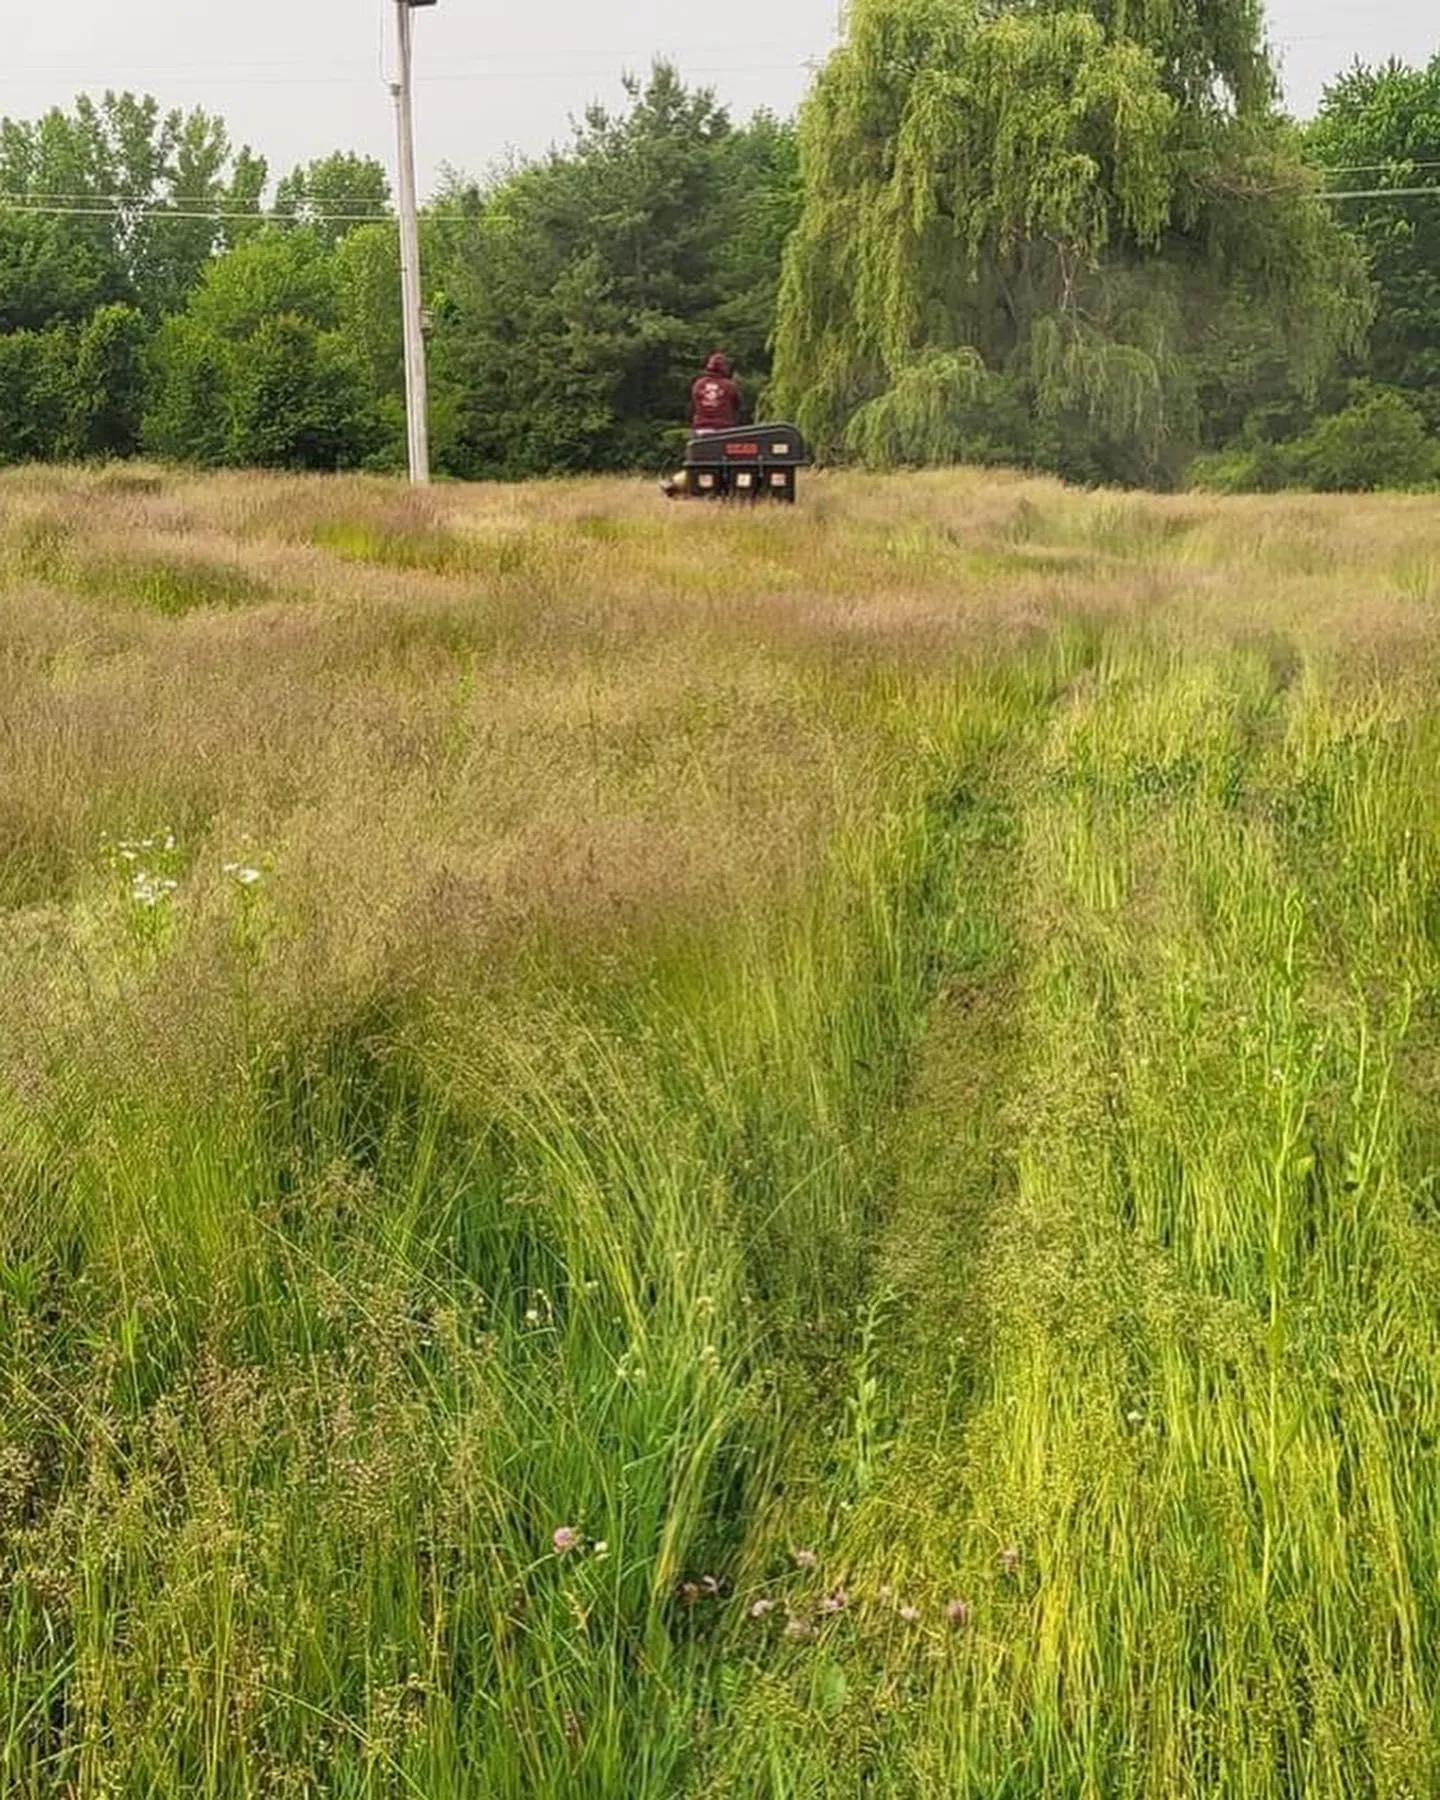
point(1065, 202)
point(760, 194)
point(1381, 128)
point(73, 391)
point(366, 268)
point(185, 418)
point(1379, 440)
point(1238, 470)
point(297, 400)
point(1211, 56)
point(581, 293)
point(131, 176)
point(1074, 237)
point(107, 383)
point(256, 370)
point(276, 272)
point(86, 279)
point(923, 416)
point(35, 394)
point(334, 195)
point(52, 275)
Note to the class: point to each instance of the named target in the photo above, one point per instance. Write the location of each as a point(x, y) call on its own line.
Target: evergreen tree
point(580, 293)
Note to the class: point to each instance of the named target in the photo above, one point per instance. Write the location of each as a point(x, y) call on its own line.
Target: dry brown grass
point(440, 715)
point(448, 723)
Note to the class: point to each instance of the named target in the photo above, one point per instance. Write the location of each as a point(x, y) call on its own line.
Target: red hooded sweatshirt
point(715, 398)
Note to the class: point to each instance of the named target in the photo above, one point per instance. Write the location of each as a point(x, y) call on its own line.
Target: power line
point(611, 54)
point(216, 215)
point(234, 215)
point(1313, 37)
point(440, 78)
point(1405, 193)
point(44, 199)
point(777, 68)
point(108, 206)
point(123, 202)
point(1394, 162)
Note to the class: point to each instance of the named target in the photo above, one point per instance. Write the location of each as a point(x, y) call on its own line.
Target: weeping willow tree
point(1035, 232)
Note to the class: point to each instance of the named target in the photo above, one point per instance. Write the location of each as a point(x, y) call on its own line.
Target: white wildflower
point(150, 890)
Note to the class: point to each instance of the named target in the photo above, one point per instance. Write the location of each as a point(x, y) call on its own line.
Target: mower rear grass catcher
point(753, 462)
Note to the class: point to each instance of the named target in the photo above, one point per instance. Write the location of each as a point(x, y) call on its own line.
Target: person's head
point(717, 363)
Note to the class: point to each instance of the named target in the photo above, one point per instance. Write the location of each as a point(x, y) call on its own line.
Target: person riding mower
point(715, 397)
point(725, 460)
point(714, 406)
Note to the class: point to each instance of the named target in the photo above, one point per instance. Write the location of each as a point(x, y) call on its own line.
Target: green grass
point(876, 1069)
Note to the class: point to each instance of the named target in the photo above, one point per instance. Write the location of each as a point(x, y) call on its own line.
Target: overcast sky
point(298, 78)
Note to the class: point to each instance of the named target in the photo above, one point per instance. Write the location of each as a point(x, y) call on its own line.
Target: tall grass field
point(695, 1154)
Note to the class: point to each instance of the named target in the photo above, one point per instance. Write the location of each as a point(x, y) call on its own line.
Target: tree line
point(1076, 238)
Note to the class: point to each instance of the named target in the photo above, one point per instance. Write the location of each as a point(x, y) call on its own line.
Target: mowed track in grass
point(873, 1068)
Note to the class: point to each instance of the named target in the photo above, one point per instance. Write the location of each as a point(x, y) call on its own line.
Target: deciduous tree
point(1380, 128)
point(1021, 219)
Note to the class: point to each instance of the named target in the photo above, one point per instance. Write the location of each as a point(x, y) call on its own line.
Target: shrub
point(108, 384)
point(35, 393)
point(1378, 441)
point(1241, 469)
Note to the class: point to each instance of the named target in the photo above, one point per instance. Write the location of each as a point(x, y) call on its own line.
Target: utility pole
point(416, 402)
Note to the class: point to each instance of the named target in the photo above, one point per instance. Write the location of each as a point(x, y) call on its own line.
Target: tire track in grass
point(1131, 1499)
point(1206, 1316)
point(842, 1654)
